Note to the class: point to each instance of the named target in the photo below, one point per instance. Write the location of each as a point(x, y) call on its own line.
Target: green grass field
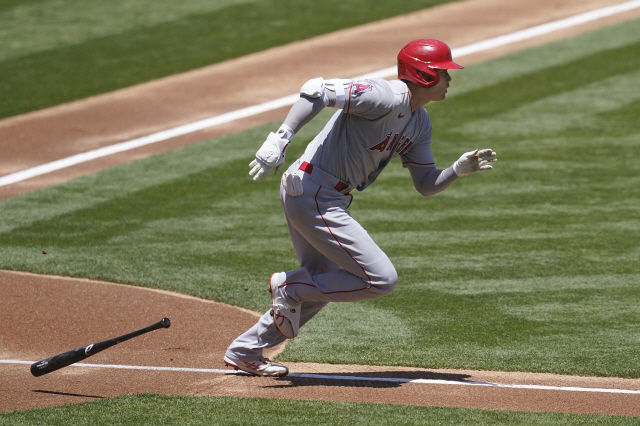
point(530, 267)
point(56, 51)
point(195, 411)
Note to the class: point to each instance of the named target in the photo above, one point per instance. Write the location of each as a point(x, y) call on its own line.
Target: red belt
point(308, 168)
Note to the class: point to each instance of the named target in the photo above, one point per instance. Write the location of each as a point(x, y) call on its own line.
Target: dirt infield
point(51, 315)
point(48, 315)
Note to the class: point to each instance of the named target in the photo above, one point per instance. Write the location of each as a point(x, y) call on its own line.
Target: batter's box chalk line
point(347, 378)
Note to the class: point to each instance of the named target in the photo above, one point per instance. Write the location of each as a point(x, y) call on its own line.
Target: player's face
point(439, 91)
point(423, 95)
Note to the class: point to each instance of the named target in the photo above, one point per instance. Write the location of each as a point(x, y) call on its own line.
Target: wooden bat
point(71, 357)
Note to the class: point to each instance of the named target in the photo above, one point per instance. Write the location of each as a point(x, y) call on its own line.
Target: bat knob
point(165, 322)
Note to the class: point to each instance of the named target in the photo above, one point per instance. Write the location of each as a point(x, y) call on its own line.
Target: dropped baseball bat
point(57, 362)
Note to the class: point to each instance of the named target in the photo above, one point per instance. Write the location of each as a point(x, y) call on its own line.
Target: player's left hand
point(269, 157)
point(292, 184)
point(474, 161)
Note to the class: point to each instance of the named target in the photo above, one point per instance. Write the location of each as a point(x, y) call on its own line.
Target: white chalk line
point(289, 100)
point(348, 378)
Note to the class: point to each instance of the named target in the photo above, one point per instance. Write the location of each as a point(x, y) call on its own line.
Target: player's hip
point(307, 171)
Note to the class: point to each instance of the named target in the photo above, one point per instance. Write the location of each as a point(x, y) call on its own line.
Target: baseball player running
point(376, 120)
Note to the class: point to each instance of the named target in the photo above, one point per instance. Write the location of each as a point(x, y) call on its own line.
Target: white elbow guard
point(319, 88)
point(313, 88)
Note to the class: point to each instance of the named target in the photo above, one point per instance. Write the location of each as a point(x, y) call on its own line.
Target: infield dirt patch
point(49, 315)
point(52, 315)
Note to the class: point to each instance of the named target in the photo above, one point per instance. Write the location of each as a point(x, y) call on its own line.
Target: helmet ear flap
point(426, 77)
point(432, 79)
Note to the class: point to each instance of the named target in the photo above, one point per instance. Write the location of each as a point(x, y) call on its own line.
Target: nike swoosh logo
point(400, 115)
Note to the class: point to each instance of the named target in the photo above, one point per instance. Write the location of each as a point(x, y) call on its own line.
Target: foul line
point(289, 100)
point(346, 378)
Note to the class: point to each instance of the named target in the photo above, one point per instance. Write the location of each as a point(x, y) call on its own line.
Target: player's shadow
point(381, 379)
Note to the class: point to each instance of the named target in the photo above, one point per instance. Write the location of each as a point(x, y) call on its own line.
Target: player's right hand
point(269, 157)
point(474, 161)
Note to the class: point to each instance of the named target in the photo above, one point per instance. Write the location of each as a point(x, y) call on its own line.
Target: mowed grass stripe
point(38, 26)
point(561, 207)
point(206, 410)
point(530, 87)
point(89, 60)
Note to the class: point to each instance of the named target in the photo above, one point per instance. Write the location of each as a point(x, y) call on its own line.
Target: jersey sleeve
point(415, 151)
point(370, 99)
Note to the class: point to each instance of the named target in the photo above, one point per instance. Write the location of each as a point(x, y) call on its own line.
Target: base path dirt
point(50, 315)
point(44, 315)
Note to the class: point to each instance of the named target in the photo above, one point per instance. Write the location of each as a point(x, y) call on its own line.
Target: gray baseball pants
point(339, 261)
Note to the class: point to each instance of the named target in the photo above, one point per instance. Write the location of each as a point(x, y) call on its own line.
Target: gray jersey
point(375, 125)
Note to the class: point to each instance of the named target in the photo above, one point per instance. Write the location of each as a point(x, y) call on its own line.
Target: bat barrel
point(57, 362)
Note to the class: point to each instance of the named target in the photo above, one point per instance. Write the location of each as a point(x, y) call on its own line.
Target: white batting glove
point(474, 161)
point(292, 184)
point(269, 157)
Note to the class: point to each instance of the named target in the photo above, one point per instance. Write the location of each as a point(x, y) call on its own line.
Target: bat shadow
point(67, 394)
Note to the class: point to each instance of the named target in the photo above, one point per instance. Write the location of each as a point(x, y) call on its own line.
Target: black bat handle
point(163, 323)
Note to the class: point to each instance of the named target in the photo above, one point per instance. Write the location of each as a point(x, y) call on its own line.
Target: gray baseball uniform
point(339, 261)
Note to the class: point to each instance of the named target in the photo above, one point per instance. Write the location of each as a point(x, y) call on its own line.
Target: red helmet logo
point(424, 56)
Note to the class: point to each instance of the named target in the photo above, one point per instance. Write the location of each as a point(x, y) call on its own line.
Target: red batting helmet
point(426, 56)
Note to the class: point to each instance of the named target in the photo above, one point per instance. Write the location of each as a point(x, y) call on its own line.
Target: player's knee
point(386, 277)
point(391, 279)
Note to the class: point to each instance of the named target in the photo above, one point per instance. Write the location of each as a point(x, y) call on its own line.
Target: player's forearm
point(303, 111)
point(431, 181)
point(271, 154)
